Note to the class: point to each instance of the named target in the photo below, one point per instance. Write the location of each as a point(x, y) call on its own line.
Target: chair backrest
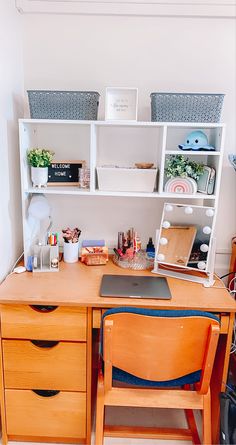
point(159, 345)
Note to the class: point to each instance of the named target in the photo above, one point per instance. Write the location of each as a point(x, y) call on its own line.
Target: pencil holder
point(71, 252)
point(46, 258)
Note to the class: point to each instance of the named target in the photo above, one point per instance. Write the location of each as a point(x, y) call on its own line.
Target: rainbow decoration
point(181, 185)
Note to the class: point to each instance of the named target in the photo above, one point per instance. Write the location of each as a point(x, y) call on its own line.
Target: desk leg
point(89, 374)
point(219, 377)
point(232, 267)
point(2, 399)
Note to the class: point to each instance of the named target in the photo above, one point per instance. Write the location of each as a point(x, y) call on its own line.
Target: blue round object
point(196, 140)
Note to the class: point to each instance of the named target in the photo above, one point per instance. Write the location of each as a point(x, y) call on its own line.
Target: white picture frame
point(121, 104)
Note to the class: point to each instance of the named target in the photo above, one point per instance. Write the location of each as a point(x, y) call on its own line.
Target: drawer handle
point(43, 308)
point(46, 392)
point(44, 343)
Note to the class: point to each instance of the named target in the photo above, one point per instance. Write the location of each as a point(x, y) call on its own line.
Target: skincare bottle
point(150, 249)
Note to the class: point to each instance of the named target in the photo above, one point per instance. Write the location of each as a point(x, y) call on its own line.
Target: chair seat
point(160, 312)
point(126, 377)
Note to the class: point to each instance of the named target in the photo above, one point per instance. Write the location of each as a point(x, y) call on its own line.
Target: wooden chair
point(166, 357)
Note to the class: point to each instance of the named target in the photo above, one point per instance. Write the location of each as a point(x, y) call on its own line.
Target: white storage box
point(126, 179)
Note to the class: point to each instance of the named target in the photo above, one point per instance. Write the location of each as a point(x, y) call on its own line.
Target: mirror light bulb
point(163, 241)
point(188, 210)
point(166, 224)
point(160, 257)
point(169, 208)
point(204, 248)
point(201, 265)
point(206, 230)
point(210, 212)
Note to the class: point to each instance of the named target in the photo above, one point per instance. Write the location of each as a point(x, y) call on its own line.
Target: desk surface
point(78, 284)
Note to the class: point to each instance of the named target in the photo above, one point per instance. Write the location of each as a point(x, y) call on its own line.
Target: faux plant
point(40, 157)
point(71, 235)
point(179, 165)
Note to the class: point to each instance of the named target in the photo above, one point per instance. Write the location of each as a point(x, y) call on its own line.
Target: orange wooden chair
point(166, 357)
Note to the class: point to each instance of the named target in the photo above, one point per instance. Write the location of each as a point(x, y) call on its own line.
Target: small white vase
point(71, 252)
point(39, 176)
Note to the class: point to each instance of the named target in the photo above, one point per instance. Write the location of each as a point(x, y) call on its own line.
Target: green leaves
point(40, 157)
point(179, 165)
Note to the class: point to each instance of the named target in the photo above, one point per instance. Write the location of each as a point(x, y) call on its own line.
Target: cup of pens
point(71, 244)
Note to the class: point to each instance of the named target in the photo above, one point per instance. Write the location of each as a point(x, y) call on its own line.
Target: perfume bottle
point(150, 249)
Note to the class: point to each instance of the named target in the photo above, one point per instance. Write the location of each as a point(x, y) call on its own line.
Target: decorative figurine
point(196, 141)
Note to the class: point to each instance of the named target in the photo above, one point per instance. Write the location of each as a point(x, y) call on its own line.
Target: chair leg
point(206, 419)
point(99, 424)
point(189, 414)
point(192, 426)
point(99, 433)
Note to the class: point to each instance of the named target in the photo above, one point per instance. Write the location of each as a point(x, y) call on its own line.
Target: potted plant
point(71, 244)
point(39, 159)
point(179, 165)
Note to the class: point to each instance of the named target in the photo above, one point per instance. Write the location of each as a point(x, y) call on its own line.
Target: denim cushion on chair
point(123, 376)
point(160, 312)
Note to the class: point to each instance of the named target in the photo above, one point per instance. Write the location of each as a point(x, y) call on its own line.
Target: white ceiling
point(209, 8)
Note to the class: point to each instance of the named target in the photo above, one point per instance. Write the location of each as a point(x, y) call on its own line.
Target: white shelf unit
point(120, 143)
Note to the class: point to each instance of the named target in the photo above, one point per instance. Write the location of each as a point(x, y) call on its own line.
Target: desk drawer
point(60, 415)
point(44, 322)
point(47, 365)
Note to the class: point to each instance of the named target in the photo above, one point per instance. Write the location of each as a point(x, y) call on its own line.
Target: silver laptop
point(131, 286)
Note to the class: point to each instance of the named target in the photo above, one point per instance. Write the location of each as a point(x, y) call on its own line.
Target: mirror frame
point(205, 276)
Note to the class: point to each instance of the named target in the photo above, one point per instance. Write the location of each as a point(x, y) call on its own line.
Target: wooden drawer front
point(62, 323)
point(62, 415)
point(27, 366)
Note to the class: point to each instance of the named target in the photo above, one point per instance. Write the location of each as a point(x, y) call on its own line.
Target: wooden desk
point(75, 289)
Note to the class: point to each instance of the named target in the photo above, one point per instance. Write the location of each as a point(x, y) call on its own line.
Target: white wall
point(153, 54)
point(11, 107)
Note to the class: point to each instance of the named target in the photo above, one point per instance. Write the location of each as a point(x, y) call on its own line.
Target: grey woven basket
point(81, 105)
point(186, 107)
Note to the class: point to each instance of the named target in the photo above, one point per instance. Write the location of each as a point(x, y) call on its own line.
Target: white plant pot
point(71, 252)
point(39, 176)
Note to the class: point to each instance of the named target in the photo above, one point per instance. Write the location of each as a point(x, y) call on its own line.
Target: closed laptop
point(133, 286)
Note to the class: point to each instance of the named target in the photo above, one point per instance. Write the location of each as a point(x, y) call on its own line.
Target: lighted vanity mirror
point(185, 237)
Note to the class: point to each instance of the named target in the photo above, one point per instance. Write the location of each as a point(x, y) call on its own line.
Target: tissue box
point(94, 256)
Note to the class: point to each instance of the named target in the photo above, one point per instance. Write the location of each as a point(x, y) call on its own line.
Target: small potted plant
point(179, 166)
point(39, 159)
point(71, 244)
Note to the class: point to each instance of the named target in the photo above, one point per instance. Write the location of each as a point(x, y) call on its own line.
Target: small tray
point(139, 262)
